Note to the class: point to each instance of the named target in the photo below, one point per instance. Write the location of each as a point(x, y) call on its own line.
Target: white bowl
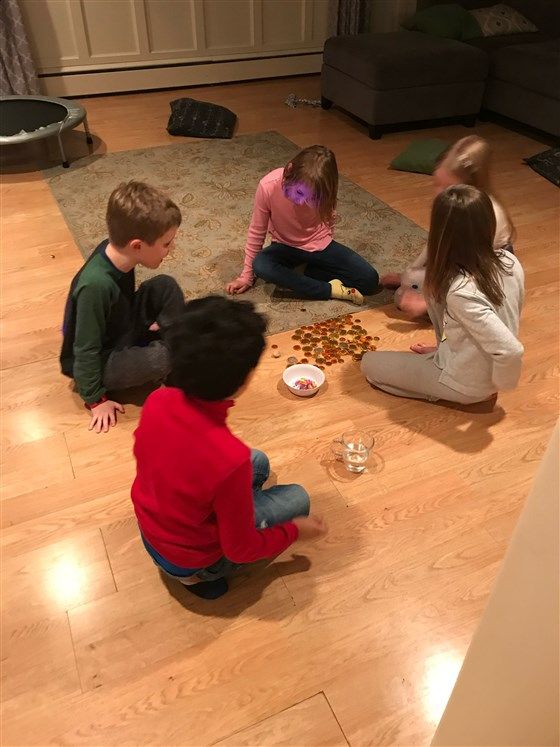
point(303, 371)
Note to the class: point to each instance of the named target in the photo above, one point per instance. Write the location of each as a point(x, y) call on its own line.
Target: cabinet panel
point(283, 22)
point(95, 35)
point(171, 25)
point(111, 29)
point(320, 20)
point(228, 24)
point(50, 31)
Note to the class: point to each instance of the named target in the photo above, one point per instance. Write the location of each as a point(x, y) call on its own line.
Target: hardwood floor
point(356, 639)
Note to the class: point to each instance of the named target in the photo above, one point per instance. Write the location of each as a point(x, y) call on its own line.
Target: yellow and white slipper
point(343, 293)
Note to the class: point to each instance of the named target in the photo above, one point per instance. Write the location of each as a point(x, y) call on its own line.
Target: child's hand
point(390, 280)
point(311, 527)
point(411, 302)
point(423, 348)
point(154, 327)
point(237, 286)
point(104, 415)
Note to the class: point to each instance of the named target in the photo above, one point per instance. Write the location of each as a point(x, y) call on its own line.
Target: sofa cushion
point(404, 59)
point(420, 156)
point(490, 43)
point(545, 14)
point(501, 19)
point(531, 66)
point(449, 20)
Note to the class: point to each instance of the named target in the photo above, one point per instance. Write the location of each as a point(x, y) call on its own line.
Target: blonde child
point(296, 205)
point(474, 296)
point(466, 162)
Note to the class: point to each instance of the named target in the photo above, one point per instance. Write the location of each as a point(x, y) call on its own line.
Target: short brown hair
point(138, 211)
point(316, 167)
point(460, 242)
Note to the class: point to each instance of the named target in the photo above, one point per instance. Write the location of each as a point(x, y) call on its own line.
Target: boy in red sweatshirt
point(198, 493)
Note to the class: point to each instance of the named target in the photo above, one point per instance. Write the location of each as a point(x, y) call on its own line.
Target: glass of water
point(356, 447)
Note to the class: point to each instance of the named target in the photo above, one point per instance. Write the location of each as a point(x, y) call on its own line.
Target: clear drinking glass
point(353, 448)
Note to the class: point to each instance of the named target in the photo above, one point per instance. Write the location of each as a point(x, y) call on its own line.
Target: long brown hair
point(460, 242)
point(469, 159)
point(316, 167)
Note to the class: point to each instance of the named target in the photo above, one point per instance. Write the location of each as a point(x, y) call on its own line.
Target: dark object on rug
point(546, 164)
point(200, 119)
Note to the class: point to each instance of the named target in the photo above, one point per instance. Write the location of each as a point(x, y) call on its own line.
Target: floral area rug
point(213, 182)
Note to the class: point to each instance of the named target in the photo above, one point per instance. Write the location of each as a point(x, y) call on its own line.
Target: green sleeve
point(93, 305)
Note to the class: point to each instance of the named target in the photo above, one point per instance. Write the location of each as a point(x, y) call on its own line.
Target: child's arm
point(241, 541)
point(474, 311)
point(394, 279)
point(93, 305)
point(256, 236)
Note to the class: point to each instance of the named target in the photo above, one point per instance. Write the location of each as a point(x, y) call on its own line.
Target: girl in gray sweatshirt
point(474, 296)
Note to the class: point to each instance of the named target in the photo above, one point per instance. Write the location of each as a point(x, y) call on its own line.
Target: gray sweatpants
point(410, 375)
point(141, 356)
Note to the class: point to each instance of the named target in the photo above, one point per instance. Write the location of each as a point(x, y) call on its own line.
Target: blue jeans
point(273, 505)
point(276, 264)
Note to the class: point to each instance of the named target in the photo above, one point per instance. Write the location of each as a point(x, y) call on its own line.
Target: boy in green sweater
point(113, 332)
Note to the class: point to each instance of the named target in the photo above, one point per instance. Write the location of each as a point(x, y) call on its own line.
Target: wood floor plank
point(399, 699)
point(56, 578)
point(310, 723)
point(34, 465)
point(38, 664)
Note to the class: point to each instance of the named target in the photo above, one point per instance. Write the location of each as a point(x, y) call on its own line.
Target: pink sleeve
point(257, 232)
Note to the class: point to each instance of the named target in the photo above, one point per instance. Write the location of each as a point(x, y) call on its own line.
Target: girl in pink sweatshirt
point(296, 206)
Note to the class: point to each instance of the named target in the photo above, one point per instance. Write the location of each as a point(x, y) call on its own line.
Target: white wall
point(507, 692)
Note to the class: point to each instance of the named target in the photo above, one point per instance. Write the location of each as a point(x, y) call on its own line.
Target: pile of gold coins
point(330, 342)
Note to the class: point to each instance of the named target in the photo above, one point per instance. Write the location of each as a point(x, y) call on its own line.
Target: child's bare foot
point(390, 280)
point(422, 348)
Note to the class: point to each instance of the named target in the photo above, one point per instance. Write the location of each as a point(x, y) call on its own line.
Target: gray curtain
point(349, 16)
point(17, 71)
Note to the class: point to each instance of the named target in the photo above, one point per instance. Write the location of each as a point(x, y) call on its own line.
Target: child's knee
point(369, 282)
point(301, 501)
point(368, 367)
point(260, 462)
point(261, 266)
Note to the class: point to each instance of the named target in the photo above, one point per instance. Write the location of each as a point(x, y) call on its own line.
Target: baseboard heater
point(177, 75)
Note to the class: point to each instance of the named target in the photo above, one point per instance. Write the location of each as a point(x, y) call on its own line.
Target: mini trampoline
point(27, 118)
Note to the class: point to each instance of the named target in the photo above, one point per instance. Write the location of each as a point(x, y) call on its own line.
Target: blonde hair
point(469, 159)
point(462, 228)
point(316, 167)
point(138, 211)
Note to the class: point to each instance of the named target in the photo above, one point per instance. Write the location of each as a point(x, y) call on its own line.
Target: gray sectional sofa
point(408, 76)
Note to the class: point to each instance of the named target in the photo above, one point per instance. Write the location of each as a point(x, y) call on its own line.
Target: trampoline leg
point(89, 138)
point(62, 154)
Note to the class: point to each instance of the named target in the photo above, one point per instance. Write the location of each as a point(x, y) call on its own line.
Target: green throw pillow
point(449, 21)
point(420, 156)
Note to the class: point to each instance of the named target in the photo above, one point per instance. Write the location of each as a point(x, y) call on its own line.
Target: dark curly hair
point(214, 346)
